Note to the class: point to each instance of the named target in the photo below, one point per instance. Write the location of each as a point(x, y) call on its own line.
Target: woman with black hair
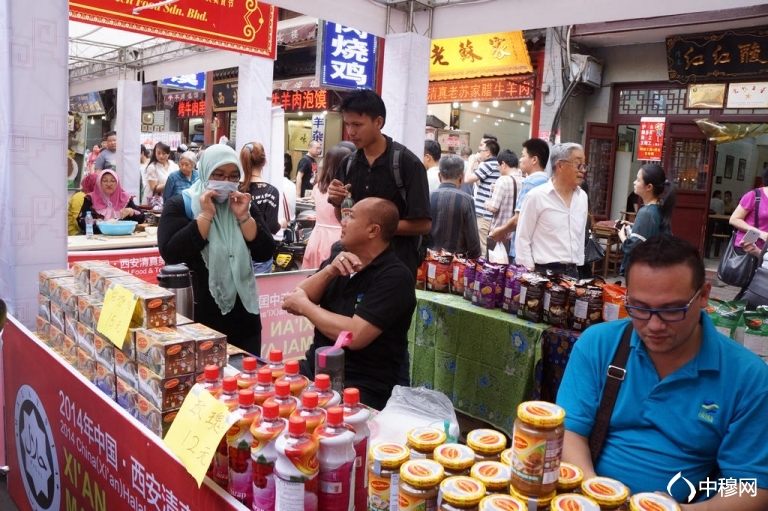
point(655, 217)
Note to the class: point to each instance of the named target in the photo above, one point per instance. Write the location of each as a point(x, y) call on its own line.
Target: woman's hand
point(207, 207)
point(750, 248)
point(126, 212)
point(240, 204)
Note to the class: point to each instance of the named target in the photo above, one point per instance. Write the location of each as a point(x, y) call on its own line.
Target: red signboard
point(481, 89)
point(190, 108)
point(308, 100)
point(651, 139)
point(70, 447)
point(239, 26)
point(144, 263)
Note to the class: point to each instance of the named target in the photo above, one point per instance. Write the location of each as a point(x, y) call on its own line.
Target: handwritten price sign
point(197, 429)
point(116, 314)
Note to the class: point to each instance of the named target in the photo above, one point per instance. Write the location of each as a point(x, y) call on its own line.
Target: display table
point(556, 346)
point(136, 254)
point(101, 242)
point(484, 360)
point(71, 447)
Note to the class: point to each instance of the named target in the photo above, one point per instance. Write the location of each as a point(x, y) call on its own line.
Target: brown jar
point(384, 462)
point(461, 493)
point(652, 502)
point(570, 478)
point(540, 503)
point(500, 502)
point(487, 444)
point(493, 474)
point(419, 484)
point(456, 459)
point(422, 441)
point(573, 502)
point(609, 493)
point(537, 446)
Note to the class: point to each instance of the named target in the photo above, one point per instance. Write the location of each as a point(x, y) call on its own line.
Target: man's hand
point(345, 264)
point(499, 235)
point(296, 301)
point(337, 191)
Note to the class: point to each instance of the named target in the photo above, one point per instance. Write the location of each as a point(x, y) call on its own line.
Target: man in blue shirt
point(693, 405)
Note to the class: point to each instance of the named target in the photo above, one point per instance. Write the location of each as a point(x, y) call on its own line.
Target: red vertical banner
point(651, 139)
point(144, 263)
point(280, 330)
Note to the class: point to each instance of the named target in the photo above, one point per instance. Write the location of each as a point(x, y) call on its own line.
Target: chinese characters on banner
point(308, 100)
point(496, 54)
point(280, 330)
point(481, 89)
point(171, 99)
point(747, 95)
point(144, 263)
point(651, 138)
point(89, 103)
point(349, 57)
point(318, 131)
point(190, 108)
point(194, 81)
point(225, 95)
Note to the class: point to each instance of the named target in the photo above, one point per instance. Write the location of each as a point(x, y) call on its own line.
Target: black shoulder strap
point(350, 159)
point(616, 373)
point(757, 208)
point(397, 151)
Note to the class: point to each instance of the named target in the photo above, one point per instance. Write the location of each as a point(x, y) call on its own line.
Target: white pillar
point(404, 89)
point(128, 127)
point(273, 173)
point(33, 148)
point(254, 107)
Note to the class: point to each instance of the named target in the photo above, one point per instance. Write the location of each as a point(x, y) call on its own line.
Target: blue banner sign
point(194, 81)
point(349, 57)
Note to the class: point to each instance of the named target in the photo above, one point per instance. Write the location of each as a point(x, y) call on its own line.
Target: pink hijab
point(109, 206)
point(88, 184)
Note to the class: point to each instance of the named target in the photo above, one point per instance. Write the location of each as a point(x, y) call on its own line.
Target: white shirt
point(289, 189)
point(433, 178)
point(716, 205)
point(548, 231)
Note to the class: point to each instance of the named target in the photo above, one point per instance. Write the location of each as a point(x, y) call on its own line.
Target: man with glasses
point(485, 176)
point(553, 218)
point(692, 402)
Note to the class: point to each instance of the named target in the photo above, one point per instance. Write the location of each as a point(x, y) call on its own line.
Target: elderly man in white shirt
point(551, 229)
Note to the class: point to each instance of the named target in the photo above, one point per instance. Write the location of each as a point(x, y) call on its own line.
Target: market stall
point(136, 254)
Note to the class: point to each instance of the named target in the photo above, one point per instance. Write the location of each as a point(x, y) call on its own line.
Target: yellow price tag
point(116, 313)
point(197, 429)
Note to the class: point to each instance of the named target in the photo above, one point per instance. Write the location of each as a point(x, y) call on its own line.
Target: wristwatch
point(242, 221)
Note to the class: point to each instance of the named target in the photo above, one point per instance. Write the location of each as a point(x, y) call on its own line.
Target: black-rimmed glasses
point(669, 315)
point(580, 166)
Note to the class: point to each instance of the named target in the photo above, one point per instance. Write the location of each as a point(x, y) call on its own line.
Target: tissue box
point(104, 379)
point(210, 345)
point(44, 307)
point(43, 330)
point(165, 351)
point(157, 421)
point(164, 393)
point(45, 278)
point(125, 368)
point(81, 270)
point(155, 308)
point(88, 310)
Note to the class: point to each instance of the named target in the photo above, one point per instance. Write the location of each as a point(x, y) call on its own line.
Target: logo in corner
point(672, 482)
point(708, 410)
point(36, 451)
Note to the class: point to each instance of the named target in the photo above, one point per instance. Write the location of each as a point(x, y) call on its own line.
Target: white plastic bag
point(498, 255)
point(413, 407)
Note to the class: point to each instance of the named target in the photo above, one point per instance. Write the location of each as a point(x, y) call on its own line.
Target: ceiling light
point(301, 114)
point(495, 103)
point(487, 110)
point(325, 112)
point(103, 117)
point(522, 124)
point(474, 120)
point(511, 114)
point(496, 123)
point(478, 116)
point(92, 121)
point(475, 104)
point(456, 104)
point(529, 102)
point(522, 109)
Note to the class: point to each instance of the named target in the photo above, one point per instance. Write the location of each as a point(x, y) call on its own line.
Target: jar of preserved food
point(499, 502)
point(461, 493)
point(506, 456)
point(419, 483)
point(540, 503)
point(456, 459)
point(570, 478)
point(422, 441)
point(652, 502)
point(487, 444)
point(537, 446)
point(493, 474)
point(609, 493)
point(573, 502)
point(384, 462)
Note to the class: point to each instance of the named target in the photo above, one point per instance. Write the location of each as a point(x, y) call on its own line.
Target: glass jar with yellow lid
point(609, 493)
point(419, 484)
point(456, 459)
point(461, 493)
point(537, 447)
point(487, 444)
point(422, 441)
point(384, 462)
point(573, 502)
point(652, 502)
point(499, 502)
point(570, 478)
point(540, 503)
point(493, 474)
point(506, 456)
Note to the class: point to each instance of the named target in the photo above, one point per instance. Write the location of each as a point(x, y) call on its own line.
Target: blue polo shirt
point(177, 182)
point(713, 410)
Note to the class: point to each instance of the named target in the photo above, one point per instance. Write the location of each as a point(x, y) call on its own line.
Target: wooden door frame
point(598, 126)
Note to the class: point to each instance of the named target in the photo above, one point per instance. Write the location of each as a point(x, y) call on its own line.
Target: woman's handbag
point(593, 250)
point(757, 290)
point(737, 266)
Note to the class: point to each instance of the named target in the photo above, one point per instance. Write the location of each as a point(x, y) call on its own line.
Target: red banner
point(71, 447)
point(481, 89)
point(239, 26)
point(144, 263)
point(651, 138)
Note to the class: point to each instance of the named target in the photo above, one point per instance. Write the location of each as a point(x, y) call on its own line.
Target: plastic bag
point(413, 407)
point(498, 255)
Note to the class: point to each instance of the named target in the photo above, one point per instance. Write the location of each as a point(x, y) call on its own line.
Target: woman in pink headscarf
point(108, 201)
point(76, 203)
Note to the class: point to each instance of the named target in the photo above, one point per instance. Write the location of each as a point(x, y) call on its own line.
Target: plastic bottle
point(346, 206)
point(285, 401)
point(239, 441)
point(336, 481)
point(326, 397)
point(264, 389)
point(212, 382)
point(296, 469)
point(357, 416)
point(248, 377)
point(298, 382)
point(276, 364)
point(310, 411)
point(219, 470)
point(88, 225)
point(263, 455)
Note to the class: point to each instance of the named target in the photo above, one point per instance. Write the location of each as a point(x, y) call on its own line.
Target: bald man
point(368, 291)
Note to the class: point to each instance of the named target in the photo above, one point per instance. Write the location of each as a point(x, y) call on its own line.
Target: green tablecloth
point(483, 360)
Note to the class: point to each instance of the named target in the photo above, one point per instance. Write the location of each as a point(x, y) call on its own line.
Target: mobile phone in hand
point(751, 237)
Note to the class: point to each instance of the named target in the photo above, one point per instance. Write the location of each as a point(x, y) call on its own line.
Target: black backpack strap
point(757, 208)
point(616, 373)
point(350, 159)
point(397, 151)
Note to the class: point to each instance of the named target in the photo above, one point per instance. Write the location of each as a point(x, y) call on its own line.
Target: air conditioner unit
point(593, 69)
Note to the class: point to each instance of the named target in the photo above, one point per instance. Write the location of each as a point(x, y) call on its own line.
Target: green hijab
point(230, 270)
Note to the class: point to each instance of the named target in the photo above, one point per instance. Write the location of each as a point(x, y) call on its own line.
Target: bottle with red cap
point(263, 456)
point(285, 401)
point(264, 388)
point(220, 463)
point(309, 410)
point(298, 382)
point(326, 397)
point(275, 364)
point(336, 480)
point(296, 469)
point(357, 416)
point(239, 441)
point(211, 380)
point(248, 377)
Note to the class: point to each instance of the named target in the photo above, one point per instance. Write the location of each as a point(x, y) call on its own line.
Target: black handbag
point(757, 291)
point(737, 267)
point(593, 250)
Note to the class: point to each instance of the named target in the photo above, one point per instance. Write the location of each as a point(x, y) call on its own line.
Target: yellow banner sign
point(498, 54)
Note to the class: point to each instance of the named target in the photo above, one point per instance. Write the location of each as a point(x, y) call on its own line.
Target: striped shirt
point(454, 227)
point(488, 173)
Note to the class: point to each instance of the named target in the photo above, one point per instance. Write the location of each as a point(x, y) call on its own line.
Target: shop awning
point(310, 82)
point(296, 30)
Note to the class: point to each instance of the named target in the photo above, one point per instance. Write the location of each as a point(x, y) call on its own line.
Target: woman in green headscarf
point(212, 229)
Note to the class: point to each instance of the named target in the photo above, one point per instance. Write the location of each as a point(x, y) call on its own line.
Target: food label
point(552, 461)
point(547, 298)
point(455, 273)
point(610, 311)
point(221, 465)
point(383, 492)
point(528, 457)
point(336, 488)
point(263, 484)
point(580, 309)
point(408, 503)
point(431, 270)
point(290, 496)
